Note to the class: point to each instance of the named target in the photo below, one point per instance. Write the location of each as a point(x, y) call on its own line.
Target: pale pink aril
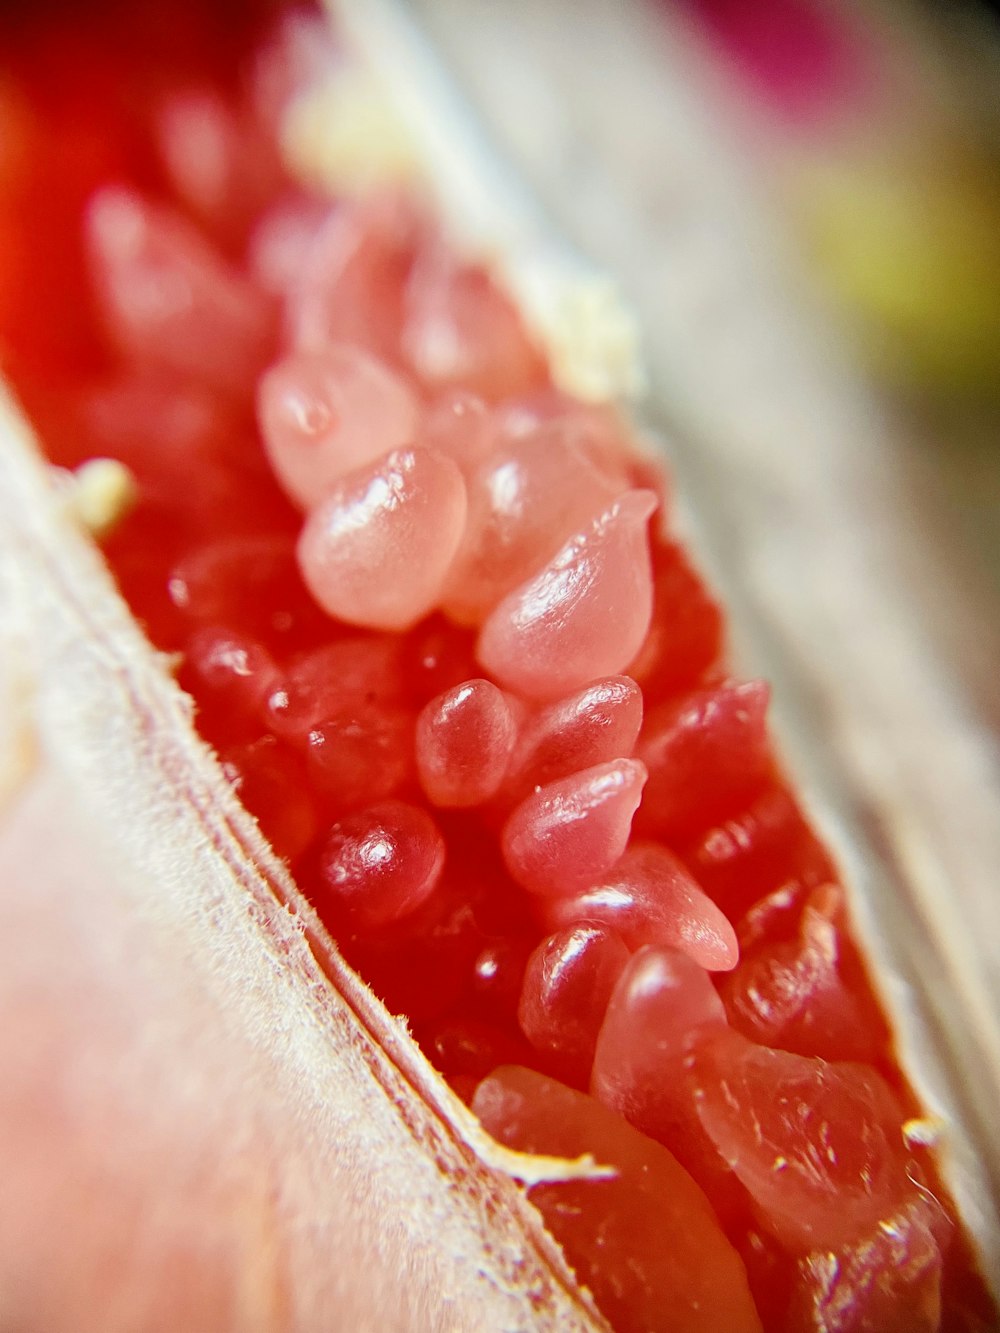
point(662, 1005)
point(649, 897)
point(168, 300)
point(464, 740)
point(324, 414)
point(591, 726)
point(567, 984)
point(377, 550)
point(380, 864)
point(569, 833)
point(583, 615)
point(525, 499)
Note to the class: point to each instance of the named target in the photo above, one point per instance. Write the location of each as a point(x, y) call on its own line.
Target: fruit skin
point(195, 1137)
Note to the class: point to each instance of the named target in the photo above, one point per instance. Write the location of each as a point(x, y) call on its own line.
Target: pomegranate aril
point(790, 993)
point(705, 755)
point(469, 1046)
point(818, 1145)
point(497, 975)
point(458, 423)
point(645, 1242)
point(361, 754)
point(221, 170)
point(380, 864)
point(169, 301)
point(231, 674)
point(650, 898)
point(525, 500)
point(568, 834)
point(437, 656)
point(889, 1281)
point(464, 739)
point(270, 782)
point(279, 238)
point(459, 330)
point(325, 414)
point(592, 726)
point(583, 615)
point(567, 985)
point(375, 552)
point(352, 278)
point(754, 852)
point(251, 583)
point(357, 669)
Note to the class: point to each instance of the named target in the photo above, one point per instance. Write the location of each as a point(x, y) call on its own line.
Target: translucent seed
point(584, 615)
point(376, 551)
point(650, 898)
point(468, 1046)
point(571, 832)
point(565, 993)
point(464, 741)
point(525, 500)
point(382, 863)
point(819, 1146)
point(358, 669)
point(324, 414)
point(646, 1242)
point(460, 330)
point(168, 300)
point(705, 755)
point(662, 1005)
point(458, 424)
point(271, 784)
point(230, 674)
point(352, 277)
point(361, 753)
point(591, 726)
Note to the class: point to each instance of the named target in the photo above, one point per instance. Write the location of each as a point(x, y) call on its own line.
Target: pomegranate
point(416, 597)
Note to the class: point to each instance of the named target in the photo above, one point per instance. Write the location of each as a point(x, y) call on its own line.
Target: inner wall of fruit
point(453, 659)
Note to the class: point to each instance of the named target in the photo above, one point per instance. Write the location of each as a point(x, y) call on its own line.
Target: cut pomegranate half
point(425, 677)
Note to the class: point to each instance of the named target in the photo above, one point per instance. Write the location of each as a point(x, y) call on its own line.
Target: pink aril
point(270, 782)
point(649, 897)
point(818, 1145)
point(168, 300)
point(380, 864)
point(459, 330)
point(706, 754)
point(590, 726)
point(355, 669)
point(231, 674)
point(569, 833)
point(281, 236)
point(525, 499)
point(326, 413)
point(790, 993)
point(360, 753)
point(583, 615)
point(464, 740)
point(249, 583)
point(565, 992)
point(377, 550)
point(351, 280)
point(221, 171)
point(662, 1005)
point(648, 1220)
point(458, 423)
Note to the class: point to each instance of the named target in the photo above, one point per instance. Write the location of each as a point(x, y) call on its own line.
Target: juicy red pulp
point(474, 692)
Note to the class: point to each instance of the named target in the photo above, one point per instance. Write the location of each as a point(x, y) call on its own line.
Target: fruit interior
point(453, 660)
